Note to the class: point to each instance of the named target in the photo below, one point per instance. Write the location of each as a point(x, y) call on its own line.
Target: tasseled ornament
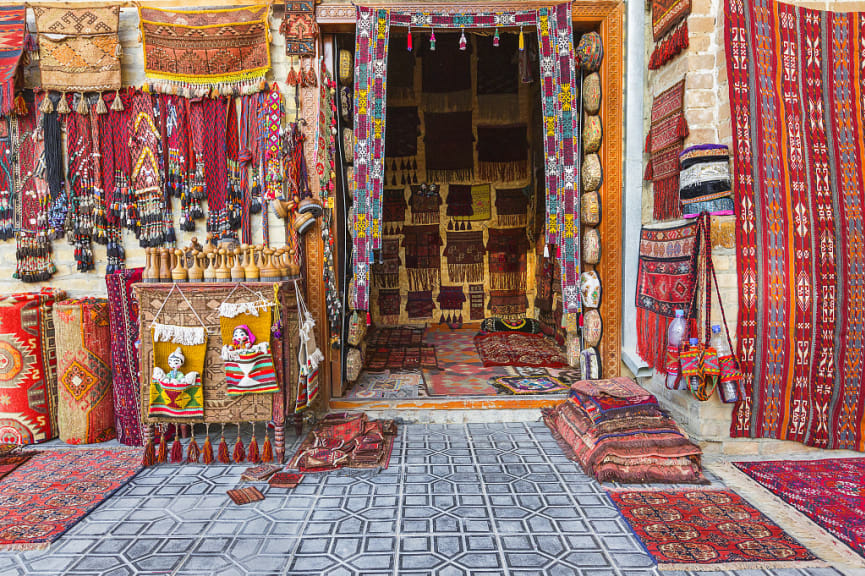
point(63, 105)
point(192, 452)
point(252, 454)
point(409, 46)
point(117, 105)
point(101, 108)
point(82, 108)
point(207, 451)
point(163, 449)
point(19, 105)
point(266, 449)
point(149, 458)
point(432, 41)
point(47, 106)
point(649, 172)
point(463, 40)
point(222, 452)
point(522, 42)
point(496, 38)
point(176, 450)
point(239, 452)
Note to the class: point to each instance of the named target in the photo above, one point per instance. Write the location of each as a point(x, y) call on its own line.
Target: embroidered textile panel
point(13, 22)
point(299, 28)
point(798, 168)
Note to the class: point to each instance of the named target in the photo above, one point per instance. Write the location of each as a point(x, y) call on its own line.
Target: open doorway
point(463, 301)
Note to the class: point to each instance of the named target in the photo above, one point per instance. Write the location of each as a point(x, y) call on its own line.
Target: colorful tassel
point(149, 458)
point(496, 39)
point(432, 41)
point(176, 450)
point(522, 42)
point(463, 41)
point(192, 452)
point(266, 449)
point(239, 452)
point(163, 449)
point(252, 454)
point(207, 451)
point(409, 46)
point(19, 105)
point(222, 452)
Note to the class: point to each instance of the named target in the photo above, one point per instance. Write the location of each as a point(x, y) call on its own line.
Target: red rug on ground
point(12, 461)
point(518, 349)
point(697, 528)
point(50, 493)
point(830, 492)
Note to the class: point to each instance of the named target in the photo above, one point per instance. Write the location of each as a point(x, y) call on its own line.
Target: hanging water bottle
point(676, 333)
point(729, 374)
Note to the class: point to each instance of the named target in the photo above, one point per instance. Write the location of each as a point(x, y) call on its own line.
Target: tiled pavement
point(479, 499)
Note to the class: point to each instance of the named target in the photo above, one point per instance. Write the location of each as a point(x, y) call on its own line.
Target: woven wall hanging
point(13, 28)
point(299, 28)
point(245, 328)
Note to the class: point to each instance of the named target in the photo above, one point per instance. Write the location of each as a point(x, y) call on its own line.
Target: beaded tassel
point(222, 453)
point(207, 448)
point(176, 450)
point(463, 41)
point(408, 41)
point(496, 39)
point(522, 42)
point(266, 449)
point(239, 452)
point(192, 451)
point(432, 41)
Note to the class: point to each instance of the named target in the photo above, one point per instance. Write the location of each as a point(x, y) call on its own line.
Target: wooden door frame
point(607, 17)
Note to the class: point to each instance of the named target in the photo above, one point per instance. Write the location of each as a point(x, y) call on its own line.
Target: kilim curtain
point(796, 80)
point(556, 52)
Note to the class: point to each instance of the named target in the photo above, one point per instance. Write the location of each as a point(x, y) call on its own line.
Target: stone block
point(700, 25)
point(704, 80)
point(701, 136)
point(700, 99)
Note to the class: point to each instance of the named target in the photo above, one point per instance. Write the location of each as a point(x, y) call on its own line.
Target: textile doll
point(249, 365)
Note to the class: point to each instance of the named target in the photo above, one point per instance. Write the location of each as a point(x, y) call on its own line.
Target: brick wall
point(707, 109)
point(93, 283)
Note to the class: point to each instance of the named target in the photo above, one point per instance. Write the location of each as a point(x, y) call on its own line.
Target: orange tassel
point(207, 451)
point(252, 453)
point(192, 452)
point(19, 105)
point(267, 450)
point(177, 450)
point(222, 453)
point(239, 452)
point(149, 454)
point(161, 456)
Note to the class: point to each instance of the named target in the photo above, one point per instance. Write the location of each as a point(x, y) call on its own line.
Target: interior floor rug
point(53, 490)
point(707, 530)
point(831, 492)
point(388, 385)
point(518, 349)
point(529, 385)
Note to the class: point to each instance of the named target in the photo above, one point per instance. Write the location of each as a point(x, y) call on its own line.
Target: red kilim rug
point(700, 529)
point(830, 492)
point(50, 493)
point(518, 349)
point(13, 461)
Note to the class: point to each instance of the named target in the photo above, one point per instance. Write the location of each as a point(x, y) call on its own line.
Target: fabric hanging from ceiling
point(798, 167)
point(13, 24)
point(558, 98)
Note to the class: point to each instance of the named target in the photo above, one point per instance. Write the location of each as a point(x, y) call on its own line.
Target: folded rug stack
point(617, 432)
point(704, 180)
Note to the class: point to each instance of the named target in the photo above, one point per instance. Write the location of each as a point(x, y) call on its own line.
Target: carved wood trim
point(608, 17)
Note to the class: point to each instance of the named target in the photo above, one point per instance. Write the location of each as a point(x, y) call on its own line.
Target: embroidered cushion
point(592, 327)
point(590, 287)
point(592, 134)
point(348, 145)
point(346, 68)
point(590, 364)
point(592, 93)
point(590, 209)
point(591, 246)
point(590, 51)
point(592, 173)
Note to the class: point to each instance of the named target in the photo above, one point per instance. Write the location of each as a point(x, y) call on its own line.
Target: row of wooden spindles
point(233, 263)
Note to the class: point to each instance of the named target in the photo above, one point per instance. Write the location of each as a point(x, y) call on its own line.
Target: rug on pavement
point(51, 492)
point(345, 440)
point(830, 492)
point(10, 462)
point(529, 384)
point(707, 529)
point(387, 385)
point(518, 349)
point(248, 495)
point(616, 431)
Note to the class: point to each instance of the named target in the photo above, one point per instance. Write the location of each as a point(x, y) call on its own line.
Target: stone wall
point(707, 110)
point(93, 283)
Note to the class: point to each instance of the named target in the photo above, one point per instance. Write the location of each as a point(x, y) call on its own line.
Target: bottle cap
point(716, 329)
point(694, 341)
point(680, 313)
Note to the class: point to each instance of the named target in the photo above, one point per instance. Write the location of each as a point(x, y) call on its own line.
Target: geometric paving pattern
point(473, 499)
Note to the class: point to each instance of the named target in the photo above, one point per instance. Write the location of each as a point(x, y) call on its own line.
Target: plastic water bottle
point(694, 381)
point(729, 389)
point(676, 332)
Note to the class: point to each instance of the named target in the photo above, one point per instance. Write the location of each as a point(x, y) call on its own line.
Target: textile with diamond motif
point(798, 170)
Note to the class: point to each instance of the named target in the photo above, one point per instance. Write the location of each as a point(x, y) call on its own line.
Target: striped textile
point(796, 77)
point(251, 373)
point(12, 31)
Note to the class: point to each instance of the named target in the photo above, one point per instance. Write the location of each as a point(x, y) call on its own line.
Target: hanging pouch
point(309, 356)
point(178, 362)
point(245, 327)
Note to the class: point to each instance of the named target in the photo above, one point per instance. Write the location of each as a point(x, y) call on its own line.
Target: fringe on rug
point(386, 280)
point(670, 47)
point(440, 102)
point(466, 273)
point(425, 217)
point(448, 176)
point(666, 196)
point(507, 282)
point(513, 219)
point(498, 108)
point(423, 278)
point(503, 171)
point(743, 565)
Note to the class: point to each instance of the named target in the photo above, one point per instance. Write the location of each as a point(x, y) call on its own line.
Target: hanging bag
point(309, 356)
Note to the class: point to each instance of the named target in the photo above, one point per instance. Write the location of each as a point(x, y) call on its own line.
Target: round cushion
point(590, 209)
point(592, 93)
point(592, 134)
point(592, 173)
point(346, 67)
point(592, 327)
point(590, 51)
point(348, 145)
point(591, 246)
point(590, 287)
point(346, 103)
point(353, 364)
